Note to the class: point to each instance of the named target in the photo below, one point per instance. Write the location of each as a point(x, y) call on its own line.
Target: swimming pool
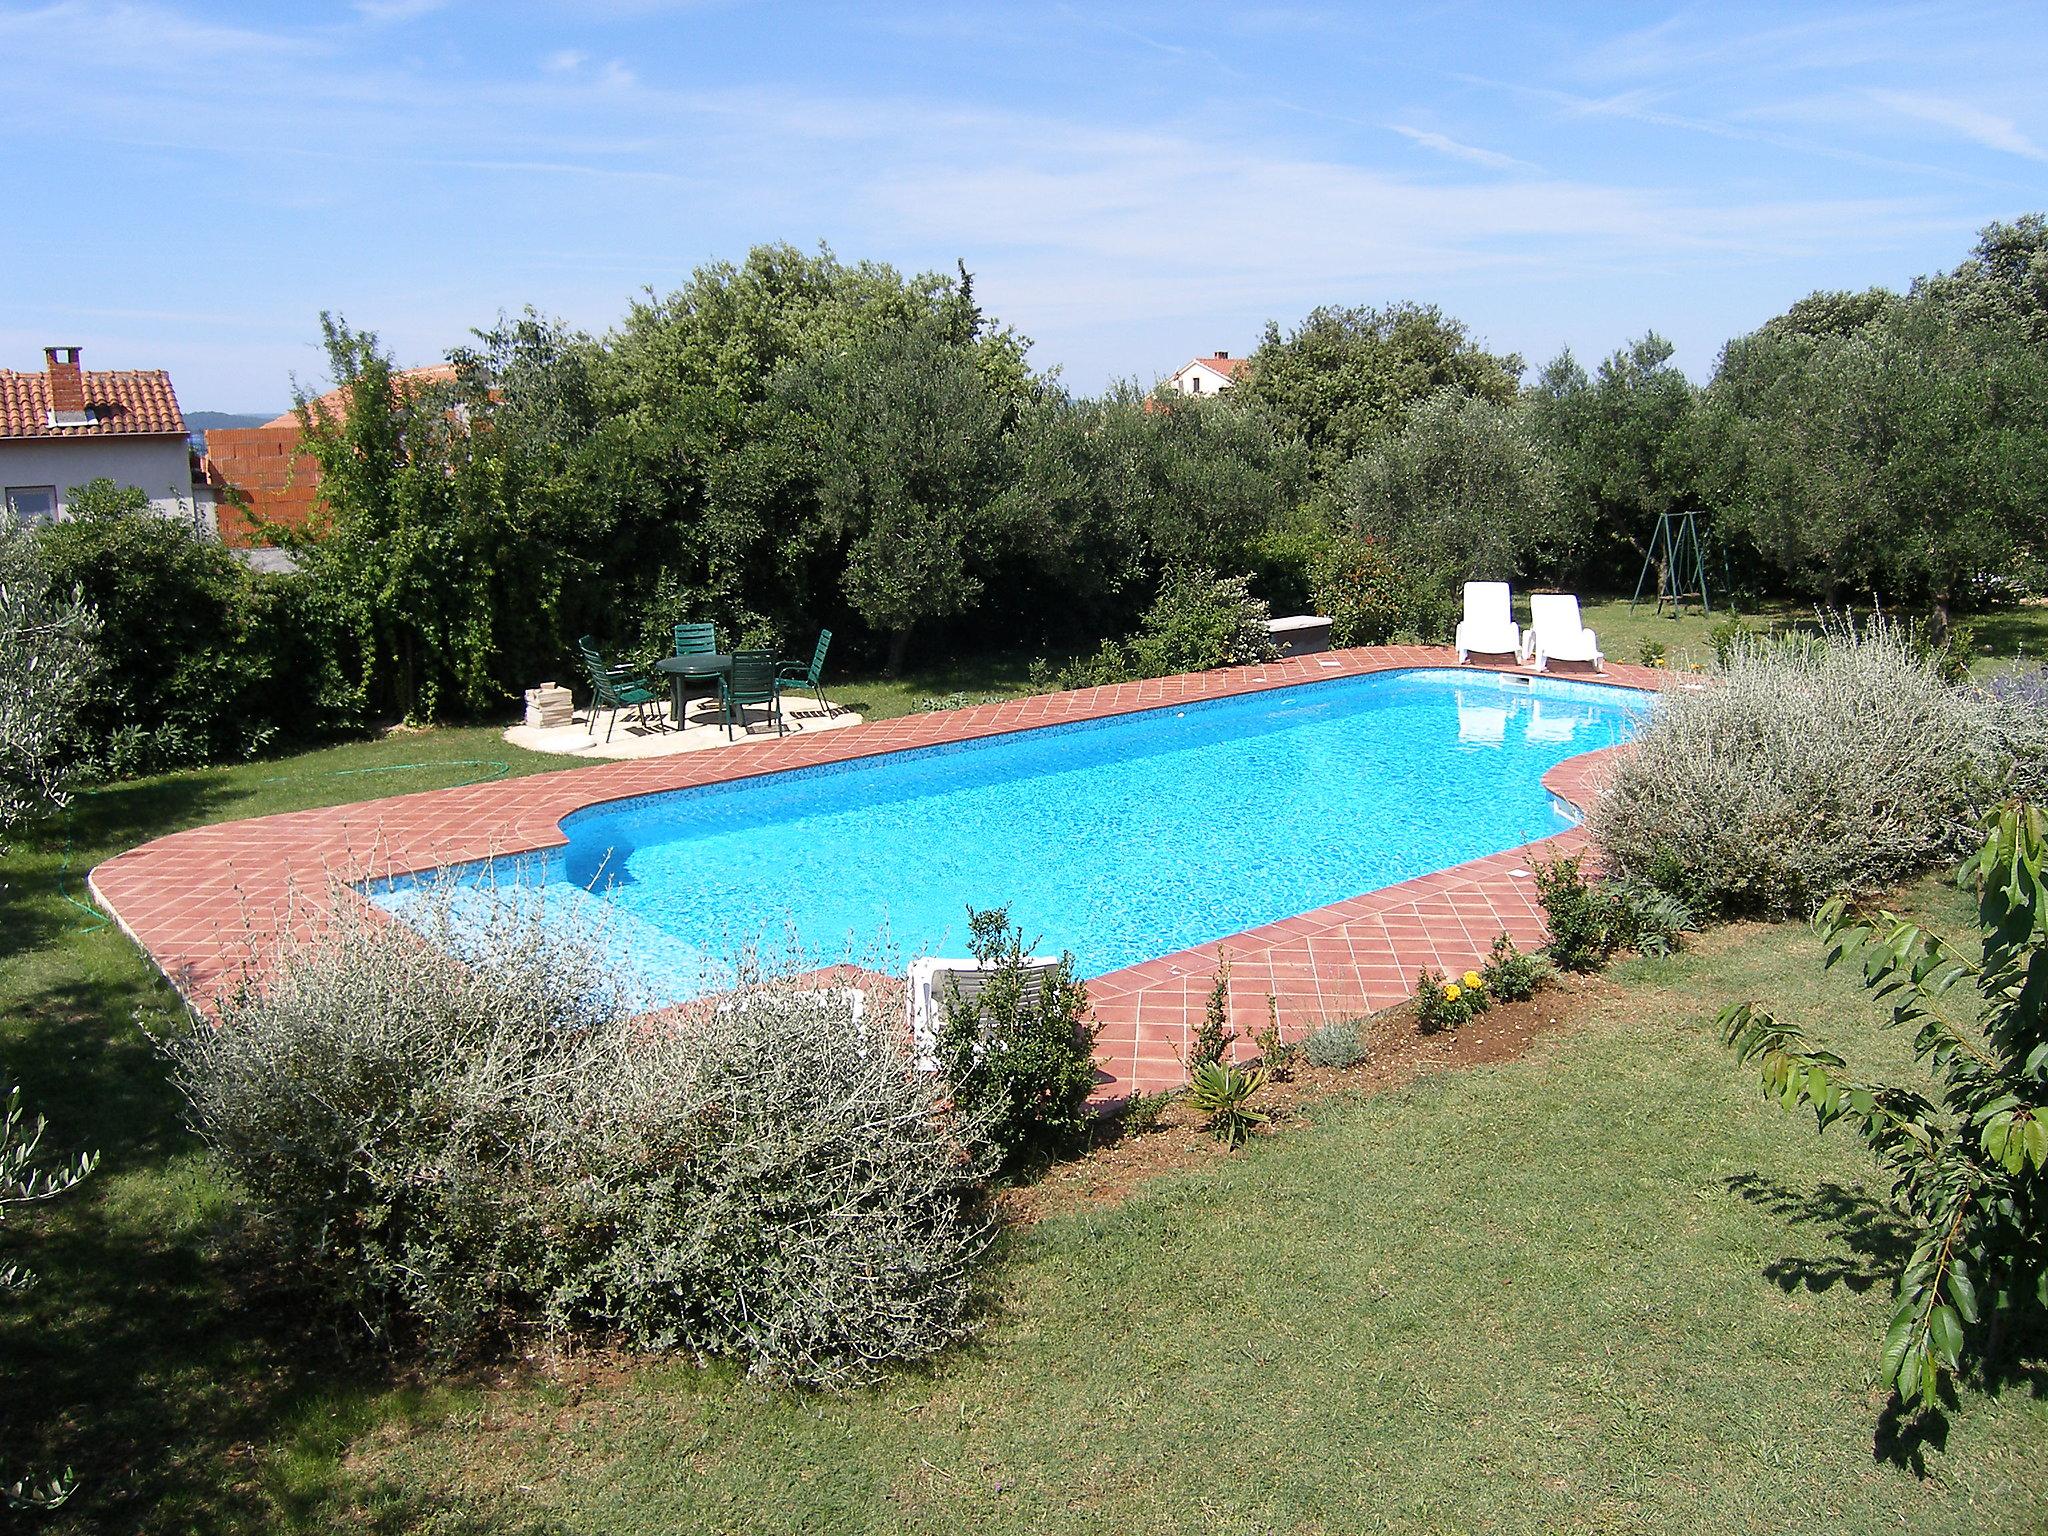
point(1118, 839)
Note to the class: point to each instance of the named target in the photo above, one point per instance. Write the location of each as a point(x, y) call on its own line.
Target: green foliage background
point(795, 441)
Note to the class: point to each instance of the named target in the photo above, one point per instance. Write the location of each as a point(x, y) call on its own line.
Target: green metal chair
point(793, 674)
point(615, 688)
point(752, 681)
point(694, 640)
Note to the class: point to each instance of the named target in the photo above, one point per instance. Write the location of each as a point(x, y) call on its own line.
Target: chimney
point(1222, 357)
point(67, 388)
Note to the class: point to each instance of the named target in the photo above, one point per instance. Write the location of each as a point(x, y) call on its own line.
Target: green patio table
point(682, 669)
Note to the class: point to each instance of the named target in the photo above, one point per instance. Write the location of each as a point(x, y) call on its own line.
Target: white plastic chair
point(1557, 633)
point(1489, 625)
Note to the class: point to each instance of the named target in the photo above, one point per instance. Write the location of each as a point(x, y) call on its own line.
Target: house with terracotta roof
point(1209, 375)
point(63, 426)
point(262, 478)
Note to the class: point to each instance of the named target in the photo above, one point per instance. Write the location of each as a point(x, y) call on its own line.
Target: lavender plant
point(453, 1153)
point(1846, 762)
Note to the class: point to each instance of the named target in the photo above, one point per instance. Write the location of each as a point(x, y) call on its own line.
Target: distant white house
point(62, 427)
point(1207, 375)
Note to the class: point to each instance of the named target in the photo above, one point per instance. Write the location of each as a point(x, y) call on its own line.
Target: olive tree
point(1886, 447)
point(713, 484)
point(1111, 493)
point(1621, 439)
point(45, 664)
point(1344, 378)
point(1463, 487)
point(907, 440)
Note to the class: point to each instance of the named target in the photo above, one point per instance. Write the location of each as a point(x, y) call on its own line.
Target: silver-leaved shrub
point(457, 1152)
point(1806, 767)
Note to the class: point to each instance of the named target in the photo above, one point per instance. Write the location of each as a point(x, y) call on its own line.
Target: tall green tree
point(1622, 442)
point(1345, 378)
point(424, 536)
point(907, 443)
point(527, 392)
point(1112, 492)
point(699, 448)
point(1889, 449)
point(1462, 488)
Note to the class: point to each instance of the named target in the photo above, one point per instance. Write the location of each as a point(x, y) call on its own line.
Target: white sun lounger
point(1557, 633)
point(927, 1000)
point(1488, 626)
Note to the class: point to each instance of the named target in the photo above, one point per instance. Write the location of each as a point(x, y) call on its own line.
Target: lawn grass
point(943, 682)
point(133, 1359)
point(1584, 1290)
point(1600, 1288)
point(2002, 636)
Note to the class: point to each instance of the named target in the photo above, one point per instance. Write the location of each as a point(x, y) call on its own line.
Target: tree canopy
point(1343, 379)
point(795, 441)
point(1622, 441)
point(1888, 448)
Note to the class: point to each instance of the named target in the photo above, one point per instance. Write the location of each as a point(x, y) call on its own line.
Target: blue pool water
point(1117, 839)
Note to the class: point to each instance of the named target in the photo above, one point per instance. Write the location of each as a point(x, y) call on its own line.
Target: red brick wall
point(265, 465)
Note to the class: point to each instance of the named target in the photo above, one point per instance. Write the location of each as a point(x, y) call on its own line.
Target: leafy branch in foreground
point(1967, 1164)
point(27, 1180)
point(46, 661)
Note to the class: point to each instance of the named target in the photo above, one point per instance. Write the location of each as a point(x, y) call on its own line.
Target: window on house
point(1197, 382)
point(32, 503)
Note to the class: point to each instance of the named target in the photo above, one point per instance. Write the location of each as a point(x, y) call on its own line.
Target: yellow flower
point(1472, 981)
point(1453, 992)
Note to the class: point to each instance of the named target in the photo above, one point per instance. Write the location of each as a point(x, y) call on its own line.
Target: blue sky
point(189, 185)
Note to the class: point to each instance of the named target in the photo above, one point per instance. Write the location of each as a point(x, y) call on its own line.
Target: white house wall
point(1213, 383)
point(162, 466)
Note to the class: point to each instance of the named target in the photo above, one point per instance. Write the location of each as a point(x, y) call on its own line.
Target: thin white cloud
point(614, 75)
point(1963, 120)
point(1094, 18)
point(397, 10)
point(1685, 46)
point(128, 35)
point(1640, 106)
point(1472, 154)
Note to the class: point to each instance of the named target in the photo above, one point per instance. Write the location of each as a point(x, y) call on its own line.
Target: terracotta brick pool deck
point(207, 904)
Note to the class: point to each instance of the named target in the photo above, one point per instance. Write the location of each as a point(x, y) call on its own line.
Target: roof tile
point(129, 403)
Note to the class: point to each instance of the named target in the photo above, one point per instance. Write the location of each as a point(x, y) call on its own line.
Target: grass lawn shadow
point(1873, 1241)
point(1876, 1245)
